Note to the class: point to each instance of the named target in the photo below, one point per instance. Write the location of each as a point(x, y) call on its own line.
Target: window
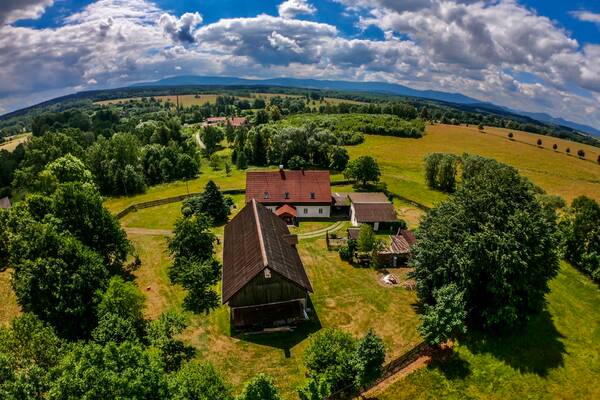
point(320, 211)
point(306, 211)
point(267, 273)
point(266, 195)
point(312, 195)
point(287, 195)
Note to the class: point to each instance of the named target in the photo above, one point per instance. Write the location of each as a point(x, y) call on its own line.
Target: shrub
point(345, 253)
point(510, 135)
point(539, 142)
point(555, 146)
point(581, 153)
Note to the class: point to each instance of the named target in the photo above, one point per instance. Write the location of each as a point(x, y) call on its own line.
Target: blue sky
point(533, 55)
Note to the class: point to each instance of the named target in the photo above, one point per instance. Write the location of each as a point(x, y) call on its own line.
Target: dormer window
point(267, 273)
point(312, 195)
point(266, 195)
point(286, 195)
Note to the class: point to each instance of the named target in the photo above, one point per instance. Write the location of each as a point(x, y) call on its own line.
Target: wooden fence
point(167, 200)
point(387, 371)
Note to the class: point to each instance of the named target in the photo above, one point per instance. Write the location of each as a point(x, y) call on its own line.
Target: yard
point(556, 355)
point(344, 296)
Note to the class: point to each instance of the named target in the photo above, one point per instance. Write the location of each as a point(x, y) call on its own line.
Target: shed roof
point(254, 240)
point(284, 186)
point(374, 212)
point(286, 209)
point(402, 242)
point(5, 203)
point(368, 197)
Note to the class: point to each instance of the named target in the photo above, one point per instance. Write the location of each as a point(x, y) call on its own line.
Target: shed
point(264, 281)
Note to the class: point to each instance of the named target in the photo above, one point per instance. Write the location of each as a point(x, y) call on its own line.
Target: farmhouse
point(5, 203)
point(366, 208)
point(291, 194)
point(264, 281)
point(221, 121)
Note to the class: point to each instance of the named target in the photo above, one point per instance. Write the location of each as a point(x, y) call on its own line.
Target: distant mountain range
point(372, 87)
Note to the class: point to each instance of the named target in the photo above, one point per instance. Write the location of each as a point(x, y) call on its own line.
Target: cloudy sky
point(533, 55)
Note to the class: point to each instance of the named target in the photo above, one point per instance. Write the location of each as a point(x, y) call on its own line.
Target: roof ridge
point(261, 240)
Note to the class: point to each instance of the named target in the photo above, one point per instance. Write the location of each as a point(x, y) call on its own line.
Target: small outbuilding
point(5, 203)
point(372, 208)
point(399, 250)
point(264, 281)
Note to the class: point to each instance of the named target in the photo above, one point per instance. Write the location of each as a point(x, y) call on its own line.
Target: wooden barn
point(264, 281)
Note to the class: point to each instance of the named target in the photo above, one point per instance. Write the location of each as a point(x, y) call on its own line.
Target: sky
point(530, 55)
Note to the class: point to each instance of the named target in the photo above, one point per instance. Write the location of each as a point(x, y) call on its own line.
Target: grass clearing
point(14, 141)
point(9, 307)
point(556, 355)
point(401, 160)
point(345, 297)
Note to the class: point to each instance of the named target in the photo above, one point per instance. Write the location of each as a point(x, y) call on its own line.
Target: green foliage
point(194, 266)
point(445, 319)
point(167, 163)
point(161, 337)
point(261, 387)
point(296, 162)
point(57, 278)
point(198, 382)
point(369, 358)
point(111, 371)
point(211, 202)
point(66, 169)
point(120, 313)
point(211, 137)
point(338, 158)
point(440, 171)
point(366, 239)
point(364, 169)
point(345, 253)
point(495, 242)
point(336, 362)
point(580, 228)
point(29, 350)
point(581, 153)
point(117, 164)
point(192, 238)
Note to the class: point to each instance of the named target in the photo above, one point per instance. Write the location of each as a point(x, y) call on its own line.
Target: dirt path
point(376, 390)
point(199, 141)
point(150, 232)
point(321, 232)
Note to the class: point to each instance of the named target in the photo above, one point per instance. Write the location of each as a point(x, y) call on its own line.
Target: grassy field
point(8, 301)
point(14, 141)
point(185, 100)
point(345, 297)
point(555, 356)
point(401, 160)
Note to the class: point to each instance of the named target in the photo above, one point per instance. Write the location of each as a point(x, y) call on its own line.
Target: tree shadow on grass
point(450, 364)
point(286, 340)
point(537, 347)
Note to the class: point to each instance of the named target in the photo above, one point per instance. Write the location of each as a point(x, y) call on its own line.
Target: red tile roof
point(288, 187)
point(286, 209)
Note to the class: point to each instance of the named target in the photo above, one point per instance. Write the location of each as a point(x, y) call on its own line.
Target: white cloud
point(496, 51)
point(587, 16)
point(293, 8)
point(15, 10)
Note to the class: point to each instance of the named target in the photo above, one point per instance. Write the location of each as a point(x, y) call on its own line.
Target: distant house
point(291, 194)
point(264, 281)
point(222, 121)
point(366, 208)
point(399, 250)
point(5, 203)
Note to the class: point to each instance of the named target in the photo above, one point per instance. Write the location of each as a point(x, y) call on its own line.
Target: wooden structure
point(399, 250)
point(5, 203)
point(264, 281)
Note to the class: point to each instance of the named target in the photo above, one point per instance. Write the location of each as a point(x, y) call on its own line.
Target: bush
point(581, 153)
point(345, 253)
point(297, 162)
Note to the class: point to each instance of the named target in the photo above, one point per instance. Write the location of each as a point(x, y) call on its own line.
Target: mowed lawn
point(344, 296)
point(555, 356)
point(402, 165)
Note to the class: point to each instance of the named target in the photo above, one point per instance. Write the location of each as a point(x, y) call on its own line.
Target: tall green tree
point(198, 382)
point(364, 169)
point(211, 137)
point(581, 231)
point(161, 336)
point(495, 242)
point(261, 387)
point(211, 202)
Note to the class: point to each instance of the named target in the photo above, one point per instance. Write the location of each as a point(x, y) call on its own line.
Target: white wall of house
point(318, 211)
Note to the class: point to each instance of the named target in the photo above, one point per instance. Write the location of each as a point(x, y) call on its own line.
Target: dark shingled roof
point(300, 186)
point(368, 197)
point(255, 239)
point(374, 212)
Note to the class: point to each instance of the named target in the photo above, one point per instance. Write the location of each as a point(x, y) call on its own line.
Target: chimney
point(281, 171)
